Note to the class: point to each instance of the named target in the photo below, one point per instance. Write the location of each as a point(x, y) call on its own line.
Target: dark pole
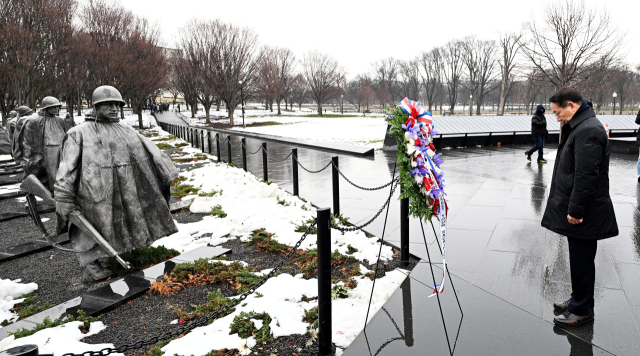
point(242, 100)
point(404, 232)
point(202, 140)
point(218, 147)
point(229, 147)
point(614, 106)
point(294, 163)
point(336, 186)
point(191, 136)
point(265, 173)
point(244, 154)
point(209, 141)
point(324, 281)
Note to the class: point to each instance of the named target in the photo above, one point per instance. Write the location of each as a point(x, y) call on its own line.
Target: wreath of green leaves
point(418, 202)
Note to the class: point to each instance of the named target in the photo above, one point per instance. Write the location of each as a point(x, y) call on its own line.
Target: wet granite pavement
point(496, 244)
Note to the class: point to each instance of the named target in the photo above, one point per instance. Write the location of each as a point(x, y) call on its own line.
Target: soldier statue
point(14, 126)
point(117, 179)
point(41, 141)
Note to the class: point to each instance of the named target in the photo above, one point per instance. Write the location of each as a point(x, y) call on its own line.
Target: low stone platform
point(624, 145)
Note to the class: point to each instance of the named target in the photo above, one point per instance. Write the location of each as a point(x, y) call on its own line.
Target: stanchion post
point(324, 281)
point(229, 147)
point(407, 312)
point(294, 163)
point(265, 172)
point(336, 185)
point(218, 147)
point(404, 232)
point(202, 140)
point(244, 154)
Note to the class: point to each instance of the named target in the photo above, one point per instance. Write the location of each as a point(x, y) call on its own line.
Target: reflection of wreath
point(420, 177)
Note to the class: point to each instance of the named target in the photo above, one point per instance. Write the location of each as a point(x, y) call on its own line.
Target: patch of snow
point(10, 291)
point(61, 339)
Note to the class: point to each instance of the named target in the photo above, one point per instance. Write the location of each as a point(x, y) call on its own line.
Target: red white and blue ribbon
point(425, 169)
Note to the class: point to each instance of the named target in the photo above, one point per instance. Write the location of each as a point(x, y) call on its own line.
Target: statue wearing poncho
point(118, 180)
point(40, 140)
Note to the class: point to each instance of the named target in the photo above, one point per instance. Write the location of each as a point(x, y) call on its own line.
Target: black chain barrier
point(363, 188)
point(252, 153)
point(356, 227)
point(276, 160)
point(318, 171)
point(205, 319)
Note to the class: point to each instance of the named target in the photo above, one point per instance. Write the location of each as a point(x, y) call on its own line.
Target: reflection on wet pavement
point(509, 269)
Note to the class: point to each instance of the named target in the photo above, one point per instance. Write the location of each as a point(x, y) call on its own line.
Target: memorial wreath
point(420, 177)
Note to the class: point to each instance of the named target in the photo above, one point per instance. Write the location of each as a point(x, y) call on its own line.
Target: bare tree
point(385, 74)
point(572, 43)
point(622, 84)
point(452, 55)
point(409, 82)
point(275, 73)
point(510, 44)
point(299, 90)
point(486, 70)
point(432, 64)
point(323, 76)
point(359, 92)
point(471, 58)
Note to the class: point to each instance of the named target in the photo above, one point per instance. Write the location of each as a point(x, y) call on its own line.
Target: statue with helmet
point(15, 124)
point(117, 179)
point(38, 141)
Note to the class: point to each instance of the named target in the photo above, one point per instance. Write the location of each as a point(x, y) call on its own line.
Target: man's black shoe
point(528, 155)
point(570, 320)
point(561, 307)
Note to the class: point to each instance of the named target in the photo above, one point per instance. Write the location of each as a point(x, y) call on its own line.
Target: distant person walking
point(579, 206)
point(638, 143)
point(178, 107)
point(539, 133)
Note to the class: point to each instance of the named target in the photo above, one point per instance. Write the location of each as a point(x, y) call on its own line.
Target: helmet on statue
point(106, 93)
point(24, 110)
point(49, 102)
point(13, 114)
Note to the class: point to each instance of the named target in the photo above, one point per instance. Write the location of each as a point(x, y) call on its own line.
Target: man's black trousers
point(582, 255)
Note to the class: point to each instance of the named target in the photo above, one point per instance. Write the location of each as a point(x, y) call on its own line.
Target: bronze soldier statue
point(117, 179)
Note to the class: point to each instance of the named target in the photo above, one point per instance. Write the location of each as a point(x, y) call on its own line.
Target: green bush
point(217, 211)
point(243, 325)
point(311, 317)
point(47, 323)
point(264, 241)
point(215, 302)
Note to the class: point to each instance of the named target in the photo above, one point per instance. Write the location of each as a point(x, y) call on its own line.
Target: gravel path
point(58, 274)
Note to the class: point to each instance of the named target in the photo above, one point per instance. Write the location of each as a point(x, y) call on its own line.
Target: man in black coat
point(638, 143)
point(539, 132)
point(579, 205)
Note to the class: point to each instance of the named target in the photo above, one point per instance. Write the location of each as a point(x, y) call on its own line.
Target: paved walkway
point(496, 243)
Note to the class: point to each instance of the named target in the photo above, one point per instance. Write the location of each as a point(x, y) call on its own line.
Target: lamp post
point(341, 106)
point(242, 101)
point(615, 95)
point(470, 104)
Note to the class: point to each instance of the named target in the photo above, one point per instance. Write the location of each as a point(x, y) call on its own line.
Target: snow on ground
point(10, 292)
point(362, 130)
point(287, 310)
point(61, 339)
point(131, 119)
point(251, 204)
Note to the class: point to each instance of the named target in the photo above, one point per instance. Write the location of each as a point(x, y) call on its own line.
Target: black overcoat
point(538, 125)
point(580, 183)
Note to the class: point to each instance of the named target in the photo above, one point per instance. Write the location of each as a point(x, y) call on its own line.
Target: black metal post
point(229, 147)
point(191, 135)
point(244, 154)
point(294, 163)
point(209, 141)
point(336, 186)
point(202, 140)
point(218, 147)
point(265, 172)
point(24, 350)
point(324, 281)
point(404, 232)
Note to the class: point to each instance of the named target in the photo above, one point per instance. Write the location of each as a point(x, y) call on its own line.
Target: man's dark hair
point(563, 96)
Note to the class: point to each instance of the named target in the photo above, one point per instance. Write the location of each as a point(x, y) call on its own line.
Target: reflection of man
point(117, 179)
point(579, 205)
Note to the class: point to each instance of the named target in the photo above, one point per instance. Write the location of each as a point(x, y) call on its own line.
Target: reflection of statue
point(41, 139)
point(117, 179)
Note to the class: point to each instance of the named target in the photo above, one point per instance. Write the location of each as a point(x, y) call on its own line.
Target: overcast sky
point(358, 32)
